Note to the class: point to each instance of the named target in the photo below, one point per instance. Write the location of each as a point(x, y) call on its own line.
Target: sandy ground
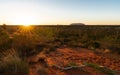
point(63, 56)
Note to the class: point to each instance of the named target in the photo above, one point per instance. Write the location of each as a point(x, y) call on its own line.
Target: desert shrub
point(102, 69)
point(42, 71)
point(24, 40)
point(71, 63)
point(48, 49)
point(45, 47)
point(56, 44)
point(94, 45)
point(11, 63)
point(90, 36)
point(45, 34)
point(4, 40)
point(111, 42)
point(73, 44)
point(4, 26)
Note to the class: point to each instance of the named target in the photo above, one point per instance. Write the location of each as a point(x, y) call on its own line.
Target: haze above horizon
point(98, 12)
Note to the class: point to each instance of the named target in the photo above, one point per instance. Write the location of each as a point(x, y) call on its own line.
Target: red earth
point(63, 56)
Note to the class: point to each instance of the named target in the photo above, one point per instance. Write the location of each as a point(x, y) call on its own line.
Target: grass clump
point(71, 63)
point(4, 40)
point(102, 69)
point(42, 71)
point(11, 63)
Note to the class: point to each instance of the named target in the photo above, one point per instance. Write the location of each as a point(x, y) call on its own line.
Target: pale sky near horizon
point(60, 12)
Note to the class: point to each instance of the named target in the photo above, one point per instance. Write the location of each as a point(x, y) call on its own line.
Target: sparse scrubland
point(60, 50)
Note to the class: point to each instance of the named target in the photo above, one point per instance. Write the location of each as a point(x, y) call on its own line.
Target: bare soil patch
point(63, 56)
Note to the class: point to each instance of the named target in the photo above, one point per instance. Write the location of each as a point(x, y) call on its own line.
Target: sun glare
point(25, 20)
point(26, 25)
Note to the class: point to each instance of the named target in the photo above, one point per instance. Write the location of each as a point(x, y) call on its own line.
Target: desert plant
point(71, 63)
point(102, 69)
point(94, 45)
point(45, 34)
point(11, 63)
point(4, 39)
point(4, 26)
point(42, 71)
point(24, 40)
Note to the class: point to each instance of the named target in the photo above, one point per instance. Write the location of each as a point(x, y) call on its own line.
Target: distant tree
point(4, 26)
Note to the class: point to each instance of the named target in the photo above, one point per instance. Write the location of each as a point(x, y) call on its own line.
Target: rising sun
point(25, 20)
point(26, 25)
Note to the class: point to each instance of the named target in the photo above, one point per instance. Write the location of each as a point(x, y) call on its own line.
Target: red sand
point(64, 56)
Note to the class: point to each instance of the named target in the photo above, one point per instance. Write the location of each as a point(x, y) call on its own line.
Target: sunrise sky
point(60, 12)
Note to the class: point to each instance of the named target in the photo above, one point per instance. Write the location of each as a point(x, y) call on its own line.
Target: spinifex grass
point(11, 63)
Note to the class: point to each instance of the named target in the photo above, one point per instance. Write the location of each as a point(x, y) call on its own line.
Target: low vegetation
point(11, 63)
point(19, 43)
point(101, 68)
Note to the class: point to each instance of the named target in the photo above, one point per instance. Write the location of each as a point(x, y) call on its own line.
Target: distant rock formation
point(77, 24)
